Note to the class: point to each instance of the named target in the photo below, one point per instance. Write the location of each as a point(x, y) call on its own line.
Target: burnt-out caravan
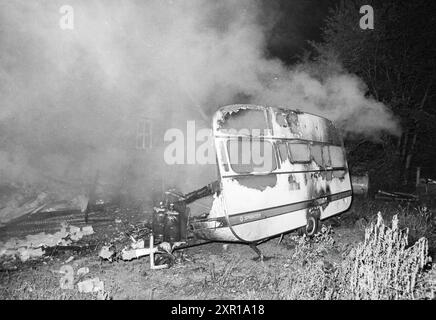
point(278, 170)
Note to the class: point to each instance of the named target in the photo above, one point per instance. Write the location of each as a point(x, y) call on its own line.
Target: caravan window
point(242, 119)
point(326, 156)
point(337, 156)
point(316, 152)
point(283, 151)
point(299, 152)
point(281, 119)
point(251, 156)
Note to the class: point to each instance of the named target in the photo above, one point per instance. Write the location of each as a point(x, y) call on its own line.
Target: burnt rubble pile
point(35, 245)
point(18, 201)
point(131, 239)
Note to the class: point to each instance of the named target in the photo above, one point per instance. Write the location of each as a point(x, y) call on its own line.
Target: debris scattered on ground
point(78, 233)
point(80, 202)
point(29, 253)
point(83, 271)
point(138, 244)
point(69, 260)
point(167, 247)
point(125, 244)
point(128, 255)
point(396, 196)
point(165, 260)
point(14, 207)
point(139, 231)
point(32, 246)
point(91, 285)
point(103, 295)
point(137, 249)
point(106, 253)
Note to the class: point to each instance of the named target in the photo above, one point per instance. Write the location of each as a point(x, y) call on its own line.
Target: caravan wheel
point(311, 226)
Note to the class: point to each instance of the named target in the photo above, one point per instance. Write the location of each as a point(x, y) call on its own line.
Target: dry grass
point(416, 217)
point(383, 267)
point(420, 222)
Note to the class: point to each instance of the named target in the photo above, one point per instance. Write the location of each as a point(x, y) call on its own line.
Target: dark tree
point(397, 61)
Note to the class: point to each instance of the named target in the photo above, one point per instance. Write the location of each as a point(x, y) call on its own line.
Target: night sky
point(292, 24)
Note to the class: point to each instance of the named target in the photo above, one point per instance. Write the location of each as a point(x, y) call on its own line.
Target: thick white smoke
point(70, 98)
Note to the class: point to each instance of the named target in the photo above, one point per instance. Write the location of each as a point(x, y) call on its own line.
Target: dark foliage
point(397, 61)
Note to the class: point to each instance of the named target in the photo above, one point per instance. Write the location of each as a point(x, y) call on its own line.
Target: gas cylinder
point(159, 220)
point(172, 226)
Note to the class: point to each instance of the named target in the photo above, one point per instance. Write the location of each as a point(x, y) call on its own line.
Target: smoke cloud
point(71, 99)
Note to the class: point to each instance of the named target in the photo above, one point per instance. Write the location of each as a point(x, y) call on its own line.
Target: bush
point(420, 223)
point(383, 267)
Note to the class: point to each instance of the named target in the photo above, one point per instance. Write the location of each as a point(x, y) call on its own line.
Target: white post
point(152, 266)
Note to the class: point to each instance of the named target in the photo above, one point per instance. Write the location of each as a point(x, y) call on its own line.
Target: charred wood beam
point(207, 190)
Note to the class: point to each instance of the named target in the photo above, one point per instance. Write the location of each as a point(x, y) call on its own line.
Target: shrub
point(383, 266)
point(419, 222)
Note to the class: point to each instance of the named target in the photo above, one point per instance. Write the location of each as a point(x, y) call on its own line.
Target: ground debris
point(138, 244)
point(128, 240)
point(91, 285)
point(28, 253)
point(396, 196)
point(79, 202)
point(83, 271)
point(33, 246)
point(18, 201)
point(14, 209)
point(106, 253)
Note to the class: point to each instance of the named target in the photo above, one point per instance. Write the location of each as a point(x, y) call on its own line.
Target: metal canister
point(172, 227)
point(159, 220)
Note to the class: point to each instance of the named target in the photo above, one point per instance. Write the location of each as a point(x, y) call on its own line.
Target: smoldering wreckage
point(306, 180)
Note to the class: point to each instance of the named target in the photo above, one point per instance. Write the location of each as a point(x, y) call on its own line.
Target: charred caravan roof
point(275, 122)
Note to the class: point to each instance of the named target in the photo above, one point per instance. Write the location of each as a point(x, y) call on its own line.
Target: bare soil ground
point(208, 271)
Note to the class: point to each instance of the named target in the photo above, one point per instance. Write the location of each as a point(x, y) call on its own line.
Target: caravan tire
point(312, 226)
